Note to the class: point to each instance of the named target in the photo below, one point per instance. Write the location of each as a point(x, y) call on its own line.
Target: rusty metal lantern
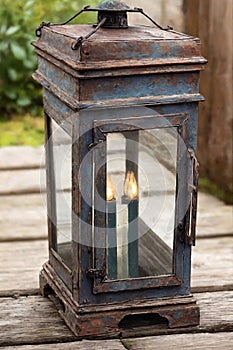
point(121, 110)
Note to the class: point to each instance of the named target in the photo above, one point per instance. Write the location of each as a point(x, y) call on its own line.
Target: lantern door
point(141, 202)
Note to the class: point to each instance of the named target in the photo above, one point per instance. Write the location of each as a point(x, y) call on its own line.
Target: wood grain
point(20, 264)
point(212, 262)
point(214, 217)
point(22, 181)
point(23, 217)
point(223, 341)
point(34, 320)
point(21, 157)
point(216, 310)
point(78, 345)
point(28, 320)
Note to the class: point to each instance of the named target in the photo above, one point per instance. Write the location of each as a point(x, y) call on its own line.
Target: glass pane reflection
point(144, 224)
point(62, 160)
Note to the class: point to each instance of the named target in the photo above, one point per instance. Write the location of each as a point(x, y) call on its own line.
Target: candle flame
point(110, 192)
point(130, 186)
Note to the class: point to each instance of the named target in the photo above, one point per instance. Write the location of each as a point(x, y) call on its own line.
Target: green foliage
point(18, 21)
point(22, 130)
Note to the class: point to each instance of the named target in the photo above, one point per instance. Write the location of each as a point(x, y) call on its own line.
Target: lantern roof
point(113, 5)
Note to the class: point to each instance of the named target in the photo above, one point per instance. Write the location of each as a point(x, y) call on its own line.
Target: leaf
point(12, 74)
point(24, 101)
point(18, 51)
point(11, 94)
point(29, 64)
point(3, 45)
point(12, 30)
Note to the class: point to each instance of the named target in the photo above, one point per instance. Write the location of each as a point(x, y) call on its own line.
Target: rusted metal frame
point(140, 303)
point(95, 71)
point(85, 210)
point(148, 100)
point(59, 287)
point(56, 91)
point(76, 204)
point(134, 284)
point(194, 194)
point(50, 184)
point(81, 64)
point(103, 285)
point(99, 272)
point(90, 320)
point(82, 68)
point(62, 270)
point(63, 124)
point(181, 193)
point(139, 123)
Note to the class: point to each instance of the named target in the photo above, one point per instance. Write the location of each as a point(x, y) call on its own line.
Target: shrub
point(18, 21)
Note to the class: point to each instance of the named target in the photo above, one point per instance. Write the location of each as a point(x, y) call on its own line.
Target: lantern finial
point(115, 12)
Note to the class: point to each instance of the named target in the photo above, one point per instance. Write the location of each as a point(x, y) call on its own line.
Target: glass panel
point(62, 160)
point(141, 192)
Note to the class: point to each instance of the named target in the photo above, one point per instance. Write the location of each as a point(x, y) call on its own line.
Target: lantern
point(120, 107)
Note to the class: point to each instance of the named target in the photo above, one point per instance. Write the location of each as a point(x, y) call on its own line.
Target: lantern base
point(138, 317)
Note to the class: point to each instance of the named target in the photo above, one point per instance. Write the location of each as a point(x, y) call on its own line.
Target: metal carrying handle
point(194, 194)
point(87, 8)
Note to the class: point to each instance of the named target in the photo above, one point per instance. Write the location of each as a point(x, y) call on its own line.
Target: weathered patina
point(96, 83)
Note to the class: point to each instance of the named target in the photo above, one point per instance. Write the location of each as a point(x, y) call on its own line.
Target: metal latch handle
point(194, 195)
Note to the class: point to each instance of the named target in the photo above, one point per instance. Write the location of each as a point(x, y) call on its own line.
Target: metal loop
point(75, 45)
point(38, 29)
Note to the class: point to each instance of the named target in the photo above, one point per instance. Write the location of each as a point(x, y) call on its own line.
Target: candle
point(122, 241)
point(131, 199)
point(111, 229)
point(112, 239)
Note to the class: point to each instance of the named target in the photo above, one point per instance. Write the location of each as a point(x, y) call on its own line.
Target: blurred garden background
point(21, 120)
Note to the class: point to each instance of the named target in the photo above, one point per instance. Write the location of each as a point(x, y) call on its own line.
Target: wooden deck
point(28, 321)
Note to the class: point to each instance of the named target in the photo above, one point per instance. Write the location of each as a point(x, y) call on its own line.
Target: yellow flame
point(130, 186)
point(110, 192)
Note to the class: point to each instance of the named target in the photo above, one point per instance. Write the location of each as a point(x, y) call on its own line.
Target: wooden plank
point(78, 345)
point(212, 262)
point(216, 310)
point(34, 319)
point(29, 320)
point(22, 181)
point(21, 157)
point(20, 263)
point(223, 341)
point(214, 217)
point(23, 217)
